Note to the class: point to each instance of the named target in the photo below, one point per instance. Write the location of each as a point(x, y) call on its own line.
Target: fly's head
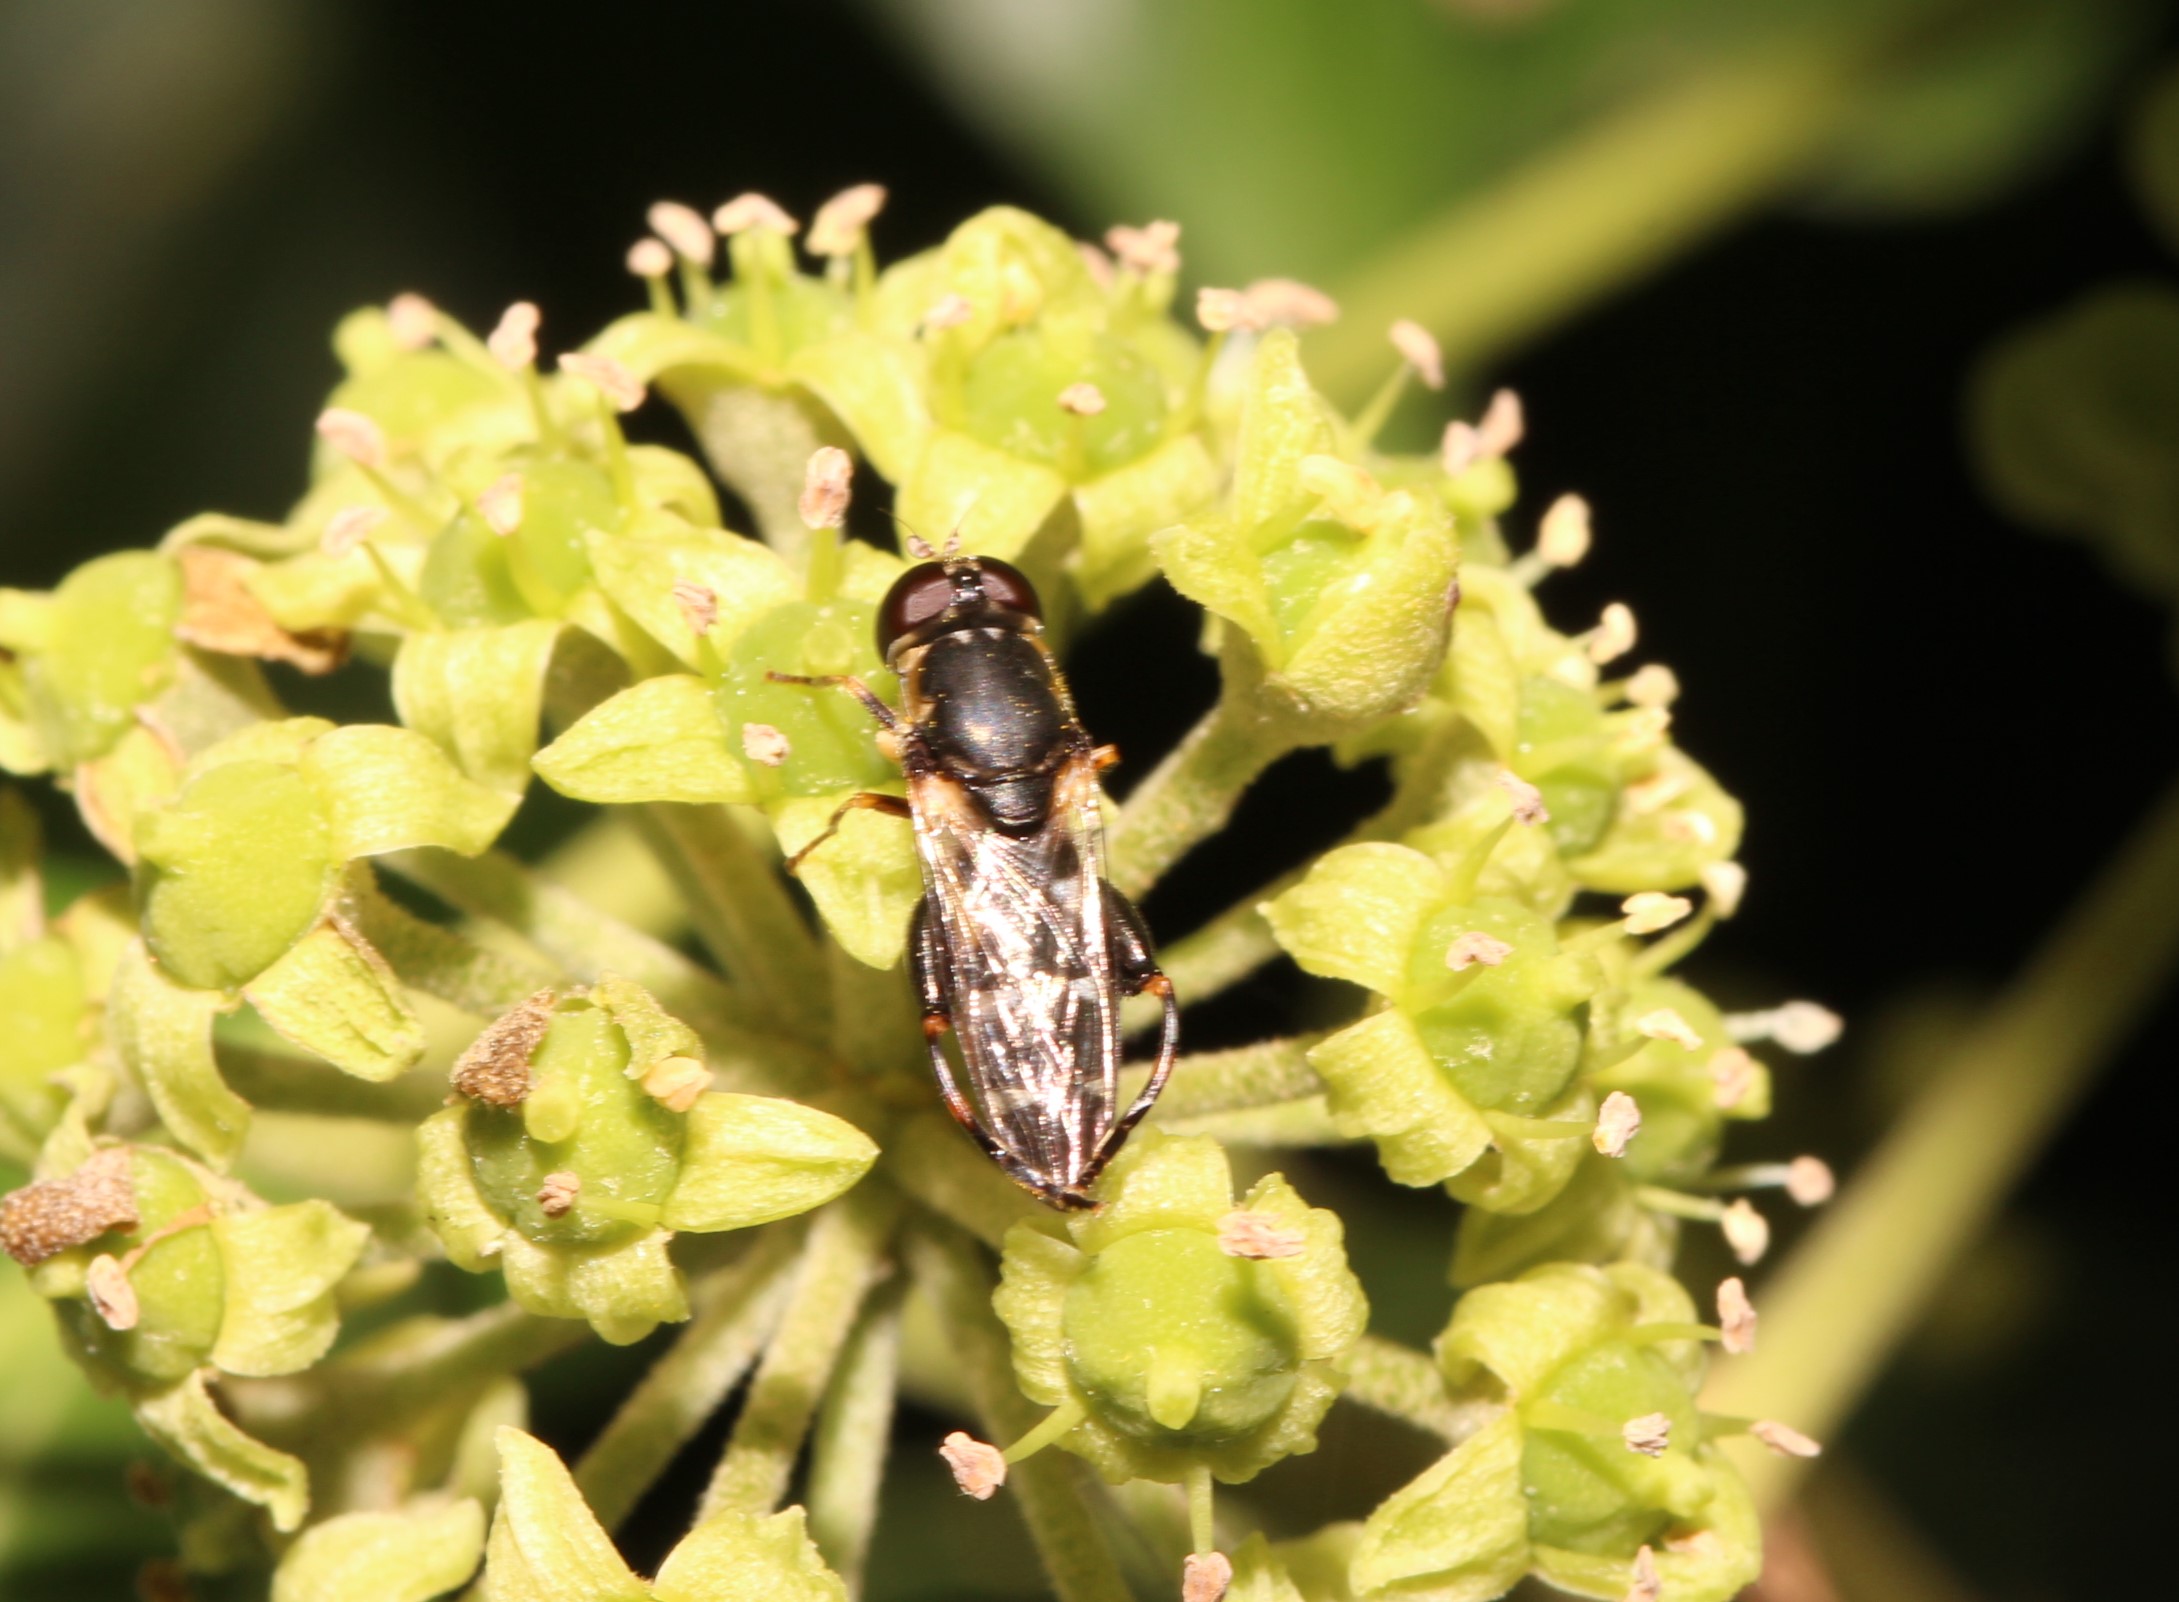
point(955, 592)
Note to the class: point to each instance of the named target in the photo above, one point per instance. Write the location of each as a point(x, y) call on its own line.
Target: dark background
point(1940, 724)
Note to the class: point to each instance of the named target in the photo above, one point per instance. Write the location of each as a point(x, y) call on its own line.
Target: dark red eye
point(1005, 586)
point(916, 597)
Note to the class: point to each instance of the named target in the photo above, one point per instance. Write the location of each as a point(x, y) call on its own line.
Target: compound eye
point(1005, 586)
point(916, 597)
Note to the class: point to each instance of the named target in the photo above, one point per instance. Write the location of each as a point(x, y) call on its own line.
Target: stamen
point(1784, 1439)
point(1810, 1182)
point(1664, 1023)
point(1083, 400)
point(1204, 1576)
point(1152, 248)
point(1220, 311)
point(1419, 349)
point(948, 311)
point(1732, 1076)
point(501, 504)
point(1651, 910)
point(1735, 1316)
point(513, 342)
point(764, 745)
point(621, 388)
point(1654, 793)
point(676, 1083)
point(826, 488)
point(1641, 729)
point(1504, 425)
point(752, 210)
point(699, 605)
point(1528, 804)
point(1643, 1585)
point(348, 528)
point(354, 435)
point(1648, 1435)
point(1746, 1231)
point(683, 228)
point(649, 258)
point(1618, 1121)
point(842, 222)
point(1654, 685)
point(1475, 949)
point(1724, 883)
point(557, 1195)
point(1799, 1026)
point(1259, 1237)
point(1289, 303)
point(1564, 536)
point(413, 321)
point(112, 1297)
point(979, 1468)
point(1614, 635)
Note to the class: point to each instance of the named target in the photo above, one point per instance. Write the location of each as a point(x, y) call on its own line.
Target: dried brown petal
point(46, 1219)
point(496, 1067)
point(219, 613)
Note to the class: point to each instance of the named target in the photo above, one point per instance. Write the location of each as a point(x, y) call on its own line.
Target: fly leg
point(1137, 970)
point(848, 682)
point(892, 806)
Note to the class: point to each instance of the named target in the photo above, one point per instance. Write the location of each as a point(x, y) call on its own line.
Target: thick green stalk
point(1052, 1489)
point(1269, 1072)
point(735, 1311)
point(1189, 796)
point(847, 1453)
point(846, 1245)
point(1616, 199)
point(1870, 1269)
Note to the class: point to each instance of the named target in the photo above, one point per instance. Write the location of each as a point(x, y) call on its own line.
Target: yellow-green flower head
point(1179, 1328)
point(1598, 1451)
point(588, 1135)
point(1472, 1062)
point(1334, 594)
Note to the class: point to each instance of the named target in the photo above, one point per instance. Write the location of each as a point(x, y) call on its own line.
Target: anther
point(752, 210)
point(556, 1197)
point(501, 504)
point(1205, 1576)
point(1799, 1026)
point(1724, 883)
point(1614, 635)
point(979, 1468)
point(826, 488)
point(513, 341)
point(1784, 1439)
point(1259, 1237)
point(1474, 949)
point(842, 222)
point(1152, 248)
point(1082, 400)
point(676, 1083)
point(1735, 1316)
point(764, 745)
point(1653, 685)
point(1648, 911)
point(354, 435)
point(1419, 349)
point(1618, 1121)
point(649, 258)
point(348, 528)
point(1648, 1435)
point(699, 605)
point(1504, 424)
point(113, 1298)
point(412, 320)
point(1664, 1023)
point(1527, 800)
point(621, 388)
point(948, 311)
point(1746, 1231)
point(1643, 1584)
point(1810, 1182)
point(1563, 536)
point(1732, 1076)
point(684, 228)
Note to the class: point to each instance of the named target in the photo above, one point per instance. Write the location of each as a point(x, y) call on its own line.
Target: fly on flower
point(1019, 948)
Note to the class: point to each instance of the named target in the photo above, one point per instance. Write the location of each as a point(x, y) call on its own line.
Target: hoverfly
point(1019, 948)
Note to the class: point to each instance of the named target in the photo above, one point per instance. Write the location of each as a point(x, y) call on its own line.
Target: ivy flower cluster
point(315, 929)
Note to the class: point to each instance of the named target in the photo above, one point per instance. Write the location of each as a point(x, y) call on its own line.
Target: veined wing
point(1035, 1007)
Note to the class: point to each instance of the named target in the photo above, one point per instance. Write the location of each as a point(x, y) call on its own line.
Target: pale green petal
point(874, 385)
point(546, 1545)
point(281, 1266)
point(164, 1033)
point(1356, 914)
point(734, 1555)
point(658, 740)
point(638, 573)
point(747, 1160)
point(383, 1557)
point(478, 693)
point(185, 1420)
point(1458, 1532)
point(865, 879)
point(446, 1186)
point(392, 789)
point(1385, 1084)
point(996, 501)
point(334, 996)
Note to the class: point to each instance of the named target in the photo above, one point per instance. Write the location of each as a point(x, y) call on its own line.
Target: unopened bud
point(1527, 800)
point(699, 606)
point(1474, 949)
point(513, 342)
point(1648, 911)
point(412, 320)
point(1654, 685)
point(1258, 1236)
point(752, 210)
point(1082, 400)
point(557, 1196)
point(1648, 1435)
point(948, 311)
point(979, 1468)
point(501, 504)
point(649, 258)
point(1784, 1439)
point(1563, 537)
point(1614, 635)
point(1152, 248)
point(841, 222)
point(1724, 883)
point(684, 228)
point(112, 1297)
point(764, 745)
point(1618, 1121)
point(826, 487)
point(1667, 1025)
point(354, 435)
point(677, 1083)
point(1205, 1576)
point(621, 388)
point(1746, 1231)
point(1419, 349)
point(1736, 1316)
point(348, 528)
point(1810, 1182)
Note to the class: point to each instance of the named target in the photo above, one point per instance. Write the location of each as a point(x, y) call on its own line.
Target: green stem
point(1402, 1383)
point(275, 1081)
point(846, 1245)
point(607, 865)
point(1617, 198)
point(847, 1452)
point(1189, 795)
point(1261, 1075)
point(1283, 1126)
point(1052, 1489)
point(741, 908)
point(735, 1311)
point(439, 961)
point(934, 1163)
point(1873, 1264)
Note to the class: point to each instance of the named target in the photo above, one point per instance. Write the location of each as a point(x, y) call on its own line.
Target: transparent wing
point(1035, 1007)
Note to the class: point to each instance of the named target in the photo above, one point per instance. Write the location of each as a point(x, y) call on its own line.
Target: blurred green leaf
point(2153, 153)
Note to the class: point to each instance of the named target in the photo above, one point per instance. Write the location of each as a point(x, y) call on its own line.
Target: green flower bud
point(87, 655)
point(1481, 1041)
point(1176, 1329)
point(1595, 1218)
point(588, 1137)
point(1335, 596)
point(411, 1556)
